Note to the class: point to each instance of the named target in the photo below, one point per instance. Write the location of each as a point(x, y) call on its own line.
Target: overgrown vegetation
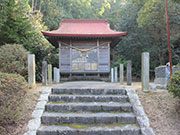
point(13, 58)
point(13, 88)
point(174, 84)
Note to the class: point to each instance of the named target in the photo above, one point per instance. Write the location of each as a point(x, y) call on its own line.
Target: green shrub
point(13, 59)
point(174, 84)
point(13, 88)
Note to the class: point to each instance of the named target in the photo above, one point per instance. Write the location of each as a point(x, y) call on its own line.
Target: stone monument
point(121, 74)
point(58, 75)
point(115, 74)
point(162, 75)
point(55, 75)
point(31, 70)
point(129, 72)
point(49, 74)
point(145, 71)
point(112, 75)
point(44, 72)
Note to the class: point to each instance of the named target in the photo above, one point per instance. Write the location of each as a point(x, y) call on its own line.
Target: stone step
point(89, 91)
point(104, 130)
point(87, 118)
point(89, 107)
point(88, 98)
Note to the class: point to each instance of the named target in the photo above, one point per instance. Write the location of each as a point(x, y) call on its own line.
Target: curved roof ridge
point(84, 28)
point(84, 20)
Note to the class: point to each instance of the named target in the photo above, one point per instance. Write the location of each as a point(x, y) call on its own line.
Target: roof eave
point(84, 35)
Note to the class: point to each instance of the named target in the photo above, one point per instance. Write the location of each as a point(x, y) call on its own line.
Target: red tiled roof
point(84, 28)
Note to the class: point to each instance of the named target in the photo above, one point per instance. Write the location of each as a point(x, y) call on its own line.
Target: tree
point(22, 26)
point(152, 16)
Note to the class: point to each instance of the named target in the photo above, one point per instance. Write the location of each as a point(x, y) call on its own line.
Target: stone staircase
point(88, 112)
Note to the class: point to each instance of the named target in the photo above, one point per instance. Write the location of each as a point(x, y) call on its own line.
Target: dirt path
point(162, 109)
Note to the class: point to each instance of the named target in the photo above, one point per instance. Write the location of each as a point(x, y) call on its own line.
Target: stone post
point(44, 72)
point(129, 72)
point(145, 71)
point(121, 74)
point(31, 70)
point(55, 75)
point(49, 74)
point(112, 75)
point(115, 74)
point(58, 75)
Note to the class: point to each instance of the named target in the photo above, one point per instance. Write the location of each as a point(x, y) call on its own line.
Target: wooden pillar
point(109, 59)
point(70, 75)
point(59, 58)
point(98, 55)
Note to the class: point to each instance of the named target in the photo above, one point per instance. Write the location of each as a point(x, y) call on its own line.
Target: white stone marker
point(115, 74)
point(112, 75)
point(145, 71)
point(49, 74)
point(121, 74)
point(31, 70)
point(55, 75)
point(44, 72)
point(58, 75)
point(129, 74)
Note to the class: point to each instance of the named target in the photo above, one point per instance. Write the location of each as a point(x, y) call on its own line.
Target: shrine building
point(84, 48)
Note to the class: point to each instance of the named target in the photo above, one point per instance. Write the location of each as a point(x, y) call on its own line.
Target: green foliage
point(174, 84)
point(132, 45)
point(118, 62)
point(176, 49)
point(151, 13)
point(13, 88)
point(23, 26)
point(13, 58)
point(145, 23)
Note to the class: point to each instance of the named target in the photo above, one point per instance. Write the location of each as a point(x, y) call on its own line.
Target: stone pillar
point(145, 71)
point(31, 70)
point(44, 72)
point(55, 75)
point(49, 74)
point(112, 75)
point(115, 74)
point(129, 72)
point(58, 75)
point(121, 74)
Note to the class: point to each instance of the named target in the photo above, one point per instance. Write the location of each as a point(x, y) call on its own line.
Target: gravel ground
point(162, 110)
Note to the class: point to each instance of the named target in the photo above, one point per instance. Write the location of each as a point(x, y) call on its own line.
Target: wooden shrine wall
point(84, 56)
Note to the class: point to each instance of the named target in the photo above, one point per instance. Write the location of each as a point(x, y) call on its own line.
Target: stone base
point(161, 82)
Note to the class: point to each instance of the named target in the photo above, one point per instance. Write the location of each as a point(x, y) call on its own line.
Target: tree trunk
point(40, 5)
point(32, 5)
point(35, 6)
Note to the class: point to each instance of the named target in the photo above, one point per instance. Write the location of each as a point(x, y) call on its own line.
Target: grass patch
point(79, 126)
